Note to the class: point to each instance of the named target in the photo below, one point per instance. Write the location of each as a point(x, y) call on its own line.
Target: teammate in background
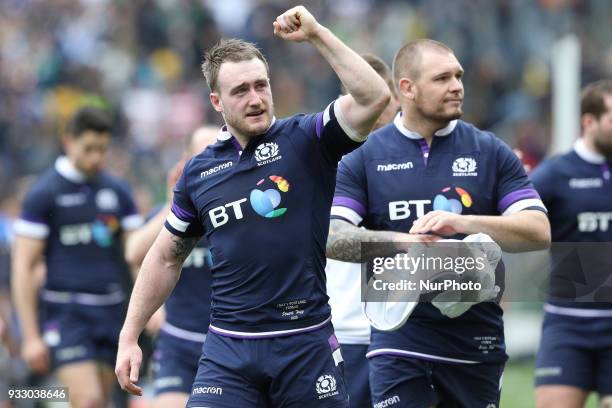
point(261, 195)
point(575, 355)
point(389, 185)
point(344, 287)
point(75, 217)
point(178, 346)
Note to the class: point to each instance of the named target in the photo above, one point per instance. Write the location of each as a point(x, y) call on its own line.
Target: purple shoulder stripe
point(182, 214)
point(319, 124)
point(32, 218)
point(518, 195)
point(350, 203)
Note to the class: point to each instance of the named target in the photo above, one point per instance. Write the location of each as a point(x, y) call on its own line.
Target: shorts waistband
point(88, 299)
point(268, 334)
point(182, 333)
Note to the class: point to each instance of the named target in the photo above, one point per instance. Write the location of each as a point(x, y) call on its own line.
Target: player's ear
point(215, 100)
point(406, 88)
point(587, 120)
point(67, 141)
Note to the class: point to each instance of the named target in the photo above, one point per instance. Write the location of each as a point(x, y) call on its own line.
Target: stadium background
point(140, 59)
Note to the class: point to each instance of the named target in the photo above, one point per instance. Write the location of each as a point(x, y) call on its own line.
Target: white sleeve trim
point(346, 213)
point(522, 204)
point(131, 222)
point(177, 223)
point(30, 229)
point(350, 132)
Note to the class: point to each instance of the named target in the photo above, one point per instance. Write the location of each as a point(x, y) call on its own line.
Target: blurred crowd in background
point(141, 60)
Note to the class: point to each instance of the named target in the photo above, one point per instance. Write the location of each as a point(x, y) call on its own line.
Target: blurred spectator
point(142, 59)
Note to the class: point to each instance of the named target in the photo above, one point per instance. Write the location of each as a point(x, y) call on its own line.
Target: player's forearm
point(25, 298)
point(344, 242)
point(522, 231)
point(358, 77)
point(156, 279)
point(158, 275)
point(140, 241)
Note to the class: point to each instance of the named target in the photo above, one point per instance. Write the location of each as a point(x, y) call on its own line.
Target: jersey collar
point(399, 124)
point(224, 134)
point(587, 154)
point(67, 170)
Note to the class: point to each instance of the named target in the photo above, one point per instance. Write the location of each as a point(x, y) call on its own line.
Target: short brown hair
point(592, 99)
point(381, 69)
point(233, 50)
point(408, 58)
point(89, 118)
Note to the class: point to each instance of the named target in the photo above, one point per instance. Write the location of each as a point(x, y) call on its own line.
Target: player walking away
point(402, 180)
point(75, 217)
point(344, 287)
point(186, 312)
point(575, 355)
point(261, 195)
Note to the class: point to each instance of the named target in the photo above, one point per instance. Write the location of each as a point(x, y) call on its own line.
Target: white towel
point(390, 309)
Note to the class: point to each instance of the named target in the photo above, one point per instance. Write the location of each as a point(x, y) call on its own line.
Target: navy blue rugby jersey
point(577, 191)
point(81, 221)
point(265, 212)
point(395, 178)
point(188, 306)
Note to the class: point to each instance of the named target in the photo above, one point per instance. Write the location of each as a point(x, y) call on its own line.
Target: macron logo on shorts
point(388, 402)
point(548, 372)
point(207, 390)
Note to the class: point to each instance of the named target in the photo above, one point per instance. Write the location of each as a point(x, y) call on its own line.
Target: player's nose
point(254, 98)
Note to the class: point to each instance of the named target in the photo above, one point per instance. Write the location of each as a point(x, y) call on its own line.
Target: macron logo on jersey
point(216, 169)
point(595, 182)
point(394, 166)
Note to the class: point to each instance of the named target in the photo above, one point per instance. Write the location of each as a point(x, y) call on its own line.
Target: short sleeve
point(130, 218)
point(182, 219)
point(350, 198)
point(543, 179)
point(335, 137)
point(35, 218)
point(514, 190)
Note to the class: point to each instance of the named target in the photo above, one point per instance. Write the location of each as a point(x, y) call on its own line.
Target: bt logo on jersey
point(451, 199)
point(400, 210)
point(594, 221)
point(102, 231)
point(264, 202)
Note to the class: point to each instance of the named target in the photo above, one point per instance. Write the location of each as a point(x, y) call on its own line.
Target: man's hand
point(438, 222)
point(36, 355)
point(127, 369)
point(296, 24)
point(406, 242)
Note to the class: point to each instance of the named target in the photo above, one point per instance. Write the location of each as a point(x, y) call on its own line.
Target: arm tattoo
point(182, 247)
point(344, 242)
